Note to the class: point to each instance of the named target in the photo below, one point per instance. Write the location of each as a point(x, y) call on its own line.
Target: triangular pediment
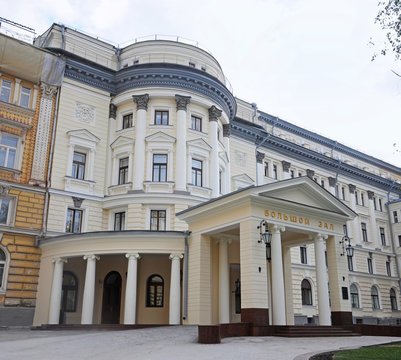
point(121, 141)
point(160, 137)
point(83, 134)
point(200, 144)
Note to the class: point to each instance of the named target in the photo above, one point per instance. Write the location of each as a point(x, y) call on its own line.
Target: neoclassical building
point(173, 202)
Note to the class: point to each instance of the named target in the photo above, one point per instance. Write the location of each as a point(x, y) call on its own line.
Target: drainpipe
point(185, 302)
point(63, 37)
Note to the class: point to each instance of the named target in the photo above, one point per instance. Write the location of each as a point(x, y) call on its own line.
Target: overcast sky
point(305, 61)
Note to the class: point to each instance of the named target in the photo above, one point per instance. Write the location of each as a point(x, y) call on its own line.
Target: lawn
point(387, 352)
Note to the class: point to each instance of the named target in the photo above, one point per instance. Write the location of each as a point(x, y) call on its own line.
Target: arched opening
point(354, 296)
point(306, 292)
point(393, 299)
point(155, 291)
point(374, 293)
point(3, 268)
point(111, 298)
point(69, 293)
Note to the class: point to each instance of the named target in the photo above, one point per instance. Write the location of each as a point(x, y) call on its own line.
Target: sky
point(305, 61)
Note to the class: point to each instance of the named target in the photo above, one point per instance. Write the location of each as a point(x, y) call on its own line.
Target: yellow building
point(28, 87)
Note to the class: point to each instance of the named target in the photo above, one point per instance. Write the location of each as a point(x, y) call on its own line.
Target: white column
point(89, 289)
point(322, 284)
point(226, 141)
point(181, 143)
point(55, 297)
point(70, 159)
point(224, 282)
point(140, 133)
point(130, 289)
point(214, 114)
point(372, 220)
point(278, 294)
point(286, 169)
point(260, 171)
point(355, 223)
point(175, 290)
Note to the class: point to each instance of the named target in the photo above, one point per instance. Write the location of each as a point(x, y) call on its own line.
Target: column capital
point(59, 260)
point(332, 181)
point(351, 188)
point(130, 256)
point(260, 157)
point(371, 195)
point(277, 228)
point(177, 256)
point(141, 101)
point(224, 241)
point(112, 111)
point(91, 257)
point(77, 201)
point(48, 91)
point(182, 102)
point(320, 237)
point(226, 130)
point(310, 173)
point(214, 113)
point(286, 166)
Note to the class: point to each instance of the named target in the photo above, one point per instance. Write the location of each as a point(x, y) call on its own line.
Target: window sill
point(309, 306)
point(119, 188)
point(153, 186)
point(200, 191)
point(15, 172)
point(19, 108)
point(161, 126)
point(78, 185)
point(125, 130)
point(197, 132)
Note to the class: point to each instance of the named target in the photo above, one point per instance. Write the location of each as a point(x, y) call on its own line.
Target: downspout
point(63, 37)
point(185, 302)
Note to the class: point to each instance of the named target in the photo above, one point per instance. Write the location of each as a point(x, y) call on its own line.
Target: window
point(362, 200)
point(393, 300)
point(196, 172)
point(306, 292)
point(345, 229)
point(374, 293)
point(127, 121)
point(8, 150)
point(356, 197)
point(382, 236)
point(374, 203)
point(191, 64)
point(292, 174)
point(266, 168)
point(78, 165)
point(25, 96)
point(123, 171)
point(158, 220)
point(74, 221)
point(161, 117)
point(119, 221)
point(196, 123)
point(370, 265)
point(343, 192)
point(275, 171)
point(3, 263)
point(69, 292)
point(395, 214)
point(5, 90)
point(350, 263)
point(154, 291)
point(354, 296)
point(4, 210)
point(388, 267)
point(302, 252)
point(159, 168)
point(364, 232)
point(399, 240)
point(380, 205)
point(322, 183)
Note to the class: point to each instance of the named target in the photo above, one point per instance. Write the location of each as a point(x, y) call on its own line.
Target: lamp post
point(265, 237)
point(347, 247)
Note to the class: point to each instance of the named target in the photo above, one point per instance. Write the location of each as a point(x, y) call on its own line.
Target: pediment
point(243, 178)
point(83, 134)
point(199, 143)
point(160, 137)
point(121, 141)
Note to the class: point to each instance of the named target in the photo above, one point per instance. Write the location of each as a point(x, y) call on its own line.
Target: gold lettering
point(300, 220)
point(279, 216)
point(320, 224)
point(273, 214)
point(293, 218)
point(285, 217)
point(331, 227)
point(325, 225)
point(267, 213)
point(307, 221)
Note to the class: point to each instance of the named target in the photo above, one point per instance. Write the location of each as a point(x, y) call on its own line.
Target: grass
point(387, 352)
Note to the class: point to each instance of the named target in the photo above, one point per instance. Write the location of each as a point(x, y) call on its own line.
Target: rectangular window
point(275, 171)
point(382, 236)
point(388, 268)
point(395, 215)
point(380, 205)
point(119, 221)
point(8, 150)
point(78, 165)
point(5, 90)
point(302, 252)
point(374, 203)
point(350, 263)
point(196, 123)
point(343, 192)
point(370, 266)
point(364, 232)
point(4, 208)
point(123, 171)
point(159, 173)
point(25, 96)
point(158, 220)
point(266, 168)
point(362, 200)
point(292, 174)
point(161, 117)
point(74, 221)
point(399, 240)
point(322, 183)
point(127, 121)
point(196, 172)
point(356, 197)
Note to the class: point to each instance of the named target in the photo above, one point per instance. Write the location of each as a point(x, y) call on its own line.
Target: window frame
point(10, 89)
point(393, 300)
point(303, 254)
point(388, 267)
point(123, 171)
point(375, 298)
point(395, 216)
point(4, 264)
point(127, 121)
point(75, 174)
point(161, 113)
point(354, 296)
point(23, 96)
point(16, 149)
point(122, 216)
point(194, 122)
point(74, 211)
point(364, 232)
point(382, 236)
point(158, 219)
point(370, 265)
point(306, 293)
point(10, 217)
point(151, 296)
point(73, 288)
point(159, 167)
point(196, 172)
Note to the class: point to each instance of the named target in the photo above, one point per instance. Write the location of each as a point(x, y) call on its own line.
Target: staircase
point(311, 331)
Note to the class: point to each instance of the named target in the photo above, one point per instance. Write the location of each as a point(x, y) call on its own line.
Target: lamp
point(265, 237)
point(346, 245)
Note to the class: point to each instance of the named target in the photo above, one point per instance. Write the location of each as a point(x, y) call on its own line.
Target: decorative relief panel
point(84, 113)
point(240, 158)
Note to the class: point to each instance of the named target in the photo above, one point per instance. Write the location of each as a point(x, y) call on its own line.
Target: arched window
point(154, 291)
point(306, 291)
point(69, 292)
point(354, 296)
point(374, 293)
point(393, 300)
point(3, 268)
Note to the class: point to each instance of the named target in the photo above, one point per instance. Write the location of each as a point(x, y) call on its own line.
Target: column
point(55, 297)
point(224, 282)
point(372, 220)
point(181, 143)
point(214, 114)
point(16, 90)
point(140, 133)
point(70, 159)
point(89, 289)
point(226, 141)
point(322, 284)
point(260, 173)
point(286, 169)
point(355, 222)
point(130, 289)
point(332, 186)
point(288, 286)
point(175, 290)
point(278, 294)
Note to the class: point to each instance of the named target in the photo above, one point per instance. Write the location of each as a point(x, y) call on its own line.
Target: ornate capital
point(135, 256)
point(112, 111)
point(286, 166)
point(175, 256)
point(332, 181)
point(47, 90)
point(259, 157)
point(276, 229)
point(91, 257)
point(4, 189)
point(214, 113)
point(141, 101)
point(59, 260)
point(226, 130)
point(310, 173)
point(182, 102)
point(371, 195)
point(77, 201)
point(352, 188)
point(321, 237)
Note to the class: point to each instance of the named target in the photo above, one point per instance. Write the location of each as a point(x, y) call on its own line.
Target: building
point(28, 86)
point(163, 185)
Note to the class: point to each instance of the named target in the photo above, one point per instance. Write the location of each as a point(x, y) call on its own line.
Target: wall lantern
point(265, 237)
point(346, 246)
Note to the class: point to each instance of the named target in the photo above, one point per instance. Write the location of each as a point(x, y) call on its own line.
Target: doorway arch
point(111, 303)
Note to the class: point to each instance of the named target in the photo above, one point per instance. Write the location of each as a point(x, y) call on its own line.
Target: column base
point(341, 318)
point(255, 316)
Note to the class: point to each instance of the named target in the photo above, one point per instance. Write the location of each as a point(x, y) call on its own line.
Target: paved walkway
point(164, 343)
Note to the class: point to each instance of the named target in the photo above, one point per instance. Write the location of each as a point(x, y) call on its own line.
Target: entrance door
point(111, 298)
point(68, 295)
